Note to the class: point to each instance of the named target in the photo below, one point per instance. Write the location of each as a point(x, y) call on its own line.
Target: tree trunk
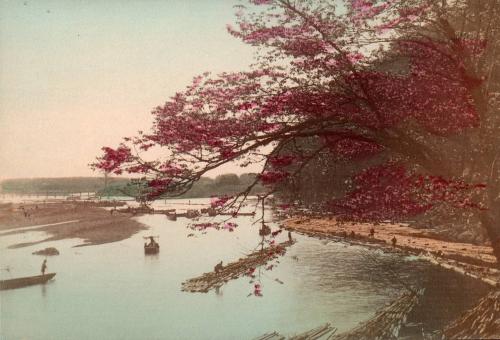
point(492, 227)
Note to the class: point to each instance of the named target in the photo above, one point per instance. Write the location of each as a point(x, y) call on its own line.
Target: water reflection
point(124, 294)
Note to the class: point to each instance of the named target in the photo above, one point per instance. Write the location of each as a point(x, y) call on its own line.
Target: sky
point(79, 75)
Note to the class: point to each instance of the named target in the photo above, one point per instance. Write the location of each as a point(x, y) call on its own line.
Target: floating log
point(162, 211)
point(314, 334)
point(234, 270)
point(480, 322)
point(237, 214)
point(25, 281)
point(271, 336)
point(386, 323)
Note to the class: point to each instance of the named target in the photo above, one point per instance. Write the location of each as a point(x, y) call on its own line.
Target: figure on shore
point(372, 232)
point(394, 240)
point(218, 267)
point(290, 236)
point(44, 266)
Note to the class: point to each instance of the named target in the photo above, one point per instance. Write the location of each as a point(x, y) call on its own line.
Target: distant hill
point(58, 184)
point(226, 184)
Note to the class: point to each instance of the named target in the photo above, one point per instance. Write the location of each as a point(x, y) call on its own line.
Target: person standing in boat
point(44, 266)
point(152, 242)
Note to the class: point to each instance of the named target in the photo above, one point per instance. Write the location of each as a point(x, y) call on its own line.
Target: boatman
point(152, 241)
point(44, 266)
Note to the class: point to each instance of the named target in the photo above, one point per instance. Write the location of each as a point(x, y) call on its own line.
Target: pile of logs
point(481, 322)
point(234, 270)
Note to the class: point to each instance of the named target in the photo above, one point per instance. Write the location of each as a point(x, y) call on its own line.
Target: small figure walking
point(394, 240)
point(290, 236)
point(372, 232)
point(44, 266)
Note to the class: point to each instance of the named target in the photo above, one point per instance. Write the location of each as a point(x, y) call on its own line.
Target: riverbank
point(476, 261)
point(64, 220)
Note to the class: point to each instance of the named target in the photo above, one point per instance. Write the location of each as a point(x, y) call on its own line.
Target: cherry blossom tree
point(412, 84)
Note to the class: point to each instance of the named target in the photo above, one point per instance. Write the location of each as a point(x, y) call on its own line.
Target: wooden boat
point(153, 247)
point(192, 213)
point(25, 281)
point(172, 217)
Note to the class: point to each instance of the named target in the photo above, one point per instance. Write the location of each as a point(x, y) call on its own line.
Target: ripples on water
point(113, 291)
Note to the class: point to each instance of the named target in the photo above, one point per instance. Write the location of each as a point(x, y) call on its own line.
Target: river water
point(114, 291)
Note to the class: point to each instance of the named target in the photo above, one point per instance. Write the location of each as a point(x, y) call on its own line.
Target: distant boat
point(152, 247)
point(25, 281)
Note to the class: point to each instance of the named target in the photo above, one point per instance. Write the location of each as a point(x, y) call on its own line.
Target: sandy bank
point(476, 261)
point(92, 224)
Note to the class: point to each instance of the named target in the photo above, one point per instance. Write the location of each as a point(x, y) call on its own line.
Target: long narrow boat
point(25, 281)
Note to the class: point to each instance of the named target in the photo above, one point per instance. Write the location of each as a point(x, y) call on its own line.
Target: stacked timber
point(481, 322)
point(234, 270)
point(386, 323)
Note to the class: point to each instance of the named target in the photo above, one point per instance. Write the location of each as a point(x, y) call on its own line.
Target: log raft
point(480, 322)
point(325, 331)
point(234, 270)
point(386, 323)
point(322, 332)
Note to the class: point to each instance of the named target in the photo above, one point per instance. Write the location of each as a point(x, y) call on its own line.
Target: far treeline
point(225, 184)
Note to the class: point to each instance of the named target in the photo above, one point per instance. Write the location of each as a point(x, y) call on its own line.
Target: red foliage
point(270, 177)
point(317, 79)
point(391, 192)
point(113, 159)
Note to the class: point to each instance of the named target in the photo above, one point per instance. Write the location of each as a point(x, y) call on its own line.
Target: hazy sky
point(78, 75)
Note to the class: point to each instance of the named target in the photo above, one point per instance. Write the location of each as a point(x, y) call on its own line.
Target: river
point(114, 291)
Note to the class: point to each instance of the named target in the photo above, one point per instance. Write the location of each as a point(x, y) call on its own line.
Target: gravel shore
point(473, 260)
point(64, 220)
